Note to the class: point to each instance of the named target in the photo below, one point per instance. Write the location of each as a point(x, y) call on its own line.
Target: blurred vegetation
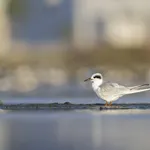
point(17, 8)
point(74, 59)
point(1, 103)
point(66, 32)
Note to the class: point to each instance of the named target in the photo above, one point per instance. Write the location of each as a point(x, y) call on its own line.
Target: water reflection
point(73, 130)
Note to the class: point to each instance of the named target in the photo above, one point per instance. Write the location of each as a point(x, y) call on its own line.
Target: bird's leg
point(106, 104)
point(110, 104)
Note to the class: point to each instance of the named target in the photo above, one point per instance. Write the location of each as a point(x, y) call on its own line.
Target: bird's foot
point(110, 104)
point(106, 104)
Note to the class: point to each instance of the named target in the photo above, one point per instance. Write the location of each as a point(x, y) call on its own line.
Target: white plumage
point(110, 92)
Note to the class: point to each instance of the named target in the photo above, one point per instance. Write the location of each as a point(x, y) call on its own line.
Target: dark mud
point(70, 106)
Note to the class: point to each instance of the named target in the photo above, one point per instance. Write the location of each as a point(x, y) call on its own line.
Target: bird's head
point(96, 79)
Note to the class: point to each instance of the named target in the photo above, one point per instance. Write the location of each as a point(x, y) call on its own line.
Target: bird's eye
point(98, 77)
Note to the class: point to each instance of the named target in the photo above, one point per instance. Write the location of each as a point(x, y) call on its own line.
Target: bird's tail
point(139, 88)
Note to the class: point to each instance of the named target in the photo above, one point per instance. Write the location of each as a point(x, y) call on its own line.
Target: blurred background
point(48, 47)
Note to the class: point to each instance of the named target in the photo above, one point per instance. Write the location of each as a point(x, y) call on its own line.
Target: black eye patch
point(99, 77)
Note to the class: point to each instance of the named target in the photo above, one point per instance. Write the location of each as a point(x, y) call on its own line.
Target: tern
point(111, 92)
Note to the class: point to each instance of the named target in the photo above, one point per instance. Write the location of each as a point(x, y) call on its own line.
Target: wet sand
point(70, 106)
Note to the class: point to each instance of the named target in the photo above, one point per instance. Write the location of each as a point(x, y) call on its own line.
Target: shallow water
point(75, 130)
point(38, 125)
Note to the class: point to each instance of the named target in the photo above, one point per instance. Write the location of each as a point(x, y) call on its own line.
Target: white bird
point(110, 92)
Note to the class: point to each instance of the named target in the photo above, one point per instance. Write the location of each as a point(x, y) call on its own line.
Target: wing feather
point(109, 90)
